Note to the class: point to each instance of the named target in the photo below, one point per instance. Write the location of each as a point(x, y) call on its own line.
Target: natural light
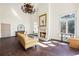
point(60, 43)
point(76, 55)
point(63, 43)
point(42, 45)
point(46, 42)
point(55, 41)
point(51, 44)
point(15, 13)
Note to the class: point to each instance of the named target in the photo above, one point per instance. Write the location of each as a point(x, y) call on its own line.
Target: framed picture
point(42, 20)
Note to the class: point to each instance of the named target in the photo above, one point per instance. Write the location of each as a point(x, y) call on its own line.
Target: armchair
point(74, 43)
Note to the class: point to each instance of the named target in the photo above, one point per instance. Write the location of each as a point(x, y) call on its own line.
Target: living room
point(43, 25)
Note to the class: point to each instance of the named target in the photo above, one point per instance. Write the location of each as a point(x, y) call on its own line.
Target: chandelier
point(28, 8)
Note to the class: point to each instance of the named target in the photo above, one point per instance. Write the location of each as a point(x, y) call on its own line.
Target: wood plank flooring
point(11, 47)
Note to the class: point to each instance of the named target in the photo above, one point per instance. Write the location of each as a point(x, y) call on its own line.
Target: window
point(63, 27)
point(67, 26)
point(71, 26)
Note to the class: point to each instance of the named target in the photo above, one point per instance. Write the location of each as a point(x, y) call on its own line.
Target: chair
point(74, 42)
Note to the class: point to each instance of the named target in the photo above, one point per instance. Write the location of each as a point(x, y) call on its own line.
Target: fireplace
point(42, 34)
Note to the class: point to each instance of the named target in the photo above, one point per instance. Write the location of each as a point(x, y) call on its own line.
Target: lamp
point(28, 8)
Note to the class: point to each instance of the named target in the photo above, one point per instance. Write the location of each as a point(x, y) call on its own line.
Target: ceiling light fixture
point(28, 8)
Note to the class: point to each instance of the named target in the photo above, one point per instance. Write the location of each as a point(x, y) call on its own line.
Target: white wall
point(0, 30)
point(56, 11)
point(12, 14)
point(77, 21)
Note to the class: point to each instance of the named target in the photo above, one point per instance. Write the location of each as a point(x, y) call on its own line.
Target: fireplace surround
point(42, 34)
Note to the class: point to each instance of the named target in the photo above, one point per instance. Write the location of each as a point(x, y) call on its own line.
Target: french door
point(67, 27)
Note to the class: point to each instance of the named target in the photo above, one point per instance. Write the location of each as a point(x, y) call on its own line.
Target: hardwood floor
point(11, 47)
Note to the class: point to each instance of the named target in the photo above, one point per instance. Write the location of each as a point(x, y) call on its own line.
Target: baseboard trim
point(7, 37)
point(59, 40)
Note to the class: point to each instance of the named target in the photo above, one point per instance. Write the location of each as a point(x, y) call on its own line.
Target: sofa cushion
point(23, 37)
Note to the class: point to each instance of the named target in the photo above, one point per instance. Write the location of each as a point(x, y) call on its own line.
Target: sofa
point(74, 43)
point(26, 41)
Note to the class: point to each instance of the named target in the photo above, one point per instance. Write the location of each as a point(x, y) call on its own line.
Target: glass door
point(67, 27)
